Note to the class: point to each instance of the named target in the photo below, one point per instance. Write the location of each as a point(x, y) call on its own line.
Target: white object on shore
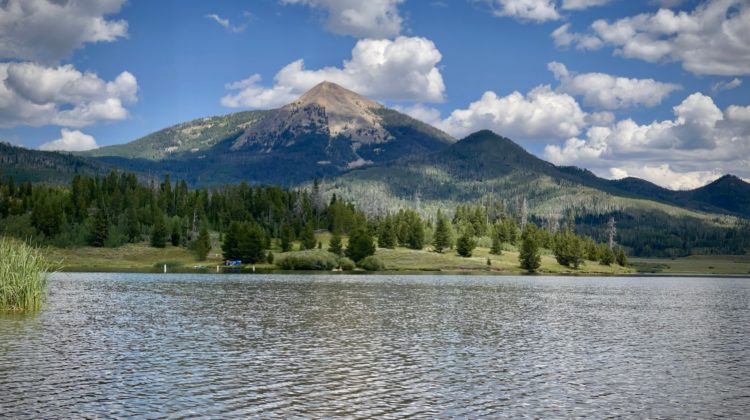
point(165, 268)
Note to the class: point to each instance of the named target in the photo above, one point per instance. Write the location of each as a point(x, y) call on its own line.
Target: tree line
point(115, 209)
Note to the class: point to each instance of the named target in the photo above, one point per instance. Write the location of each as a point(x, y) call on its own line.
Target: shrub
point(372, 263)
point(22, 276)
point(360, 245)
point(346, 264)
point(308, 260)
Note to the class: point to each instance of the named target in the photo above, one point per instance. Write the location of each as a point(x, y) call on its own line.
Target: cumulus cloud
point(71, 141)
point(582, 4)
point(226, 24)
point(695, 147)
point(712, 39)
point(541, 114)
point(400, 69)
point(50, 30)
point(564, 38)
point(664, 175)
point(539, 10)
point(726, 85)
point(33, 94)
point(359, 18)
point(604, 91)
point(421, 112)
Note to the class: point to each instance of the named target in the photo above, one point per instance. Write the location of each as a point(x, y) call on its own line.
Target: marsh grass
point(22, 276)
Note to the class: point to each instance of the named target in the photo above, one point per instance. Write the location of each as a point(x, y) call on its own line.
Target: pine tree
point(159, 232)
point(335, 244)
point(307, 237)
point(442, 233)
point(622, 258)
point(231, 240)
point(251, 243)
point(133, 228)
point(202, 244)
point(360, 245)
point(99, 229)
point(529, 253)
point(387, 233)
point(287, 236)
point(465, 244)
point(606, 256)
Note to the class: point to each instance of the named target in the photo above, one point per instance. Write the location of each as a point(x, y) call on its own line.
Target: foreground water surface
point(387, 346)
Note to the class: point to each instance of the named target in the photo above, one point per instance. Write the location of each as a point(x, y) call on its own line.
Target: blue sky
point(655, 89)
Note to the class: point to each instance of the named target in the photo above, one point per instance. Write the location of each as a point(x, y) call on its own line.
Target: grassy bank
point(143, 258)
point(22, 276)
point(695, 264)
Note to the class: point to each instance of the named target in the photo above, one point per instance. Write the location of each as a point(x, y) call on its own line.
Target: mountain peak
point(327, 109)
point(335, 99)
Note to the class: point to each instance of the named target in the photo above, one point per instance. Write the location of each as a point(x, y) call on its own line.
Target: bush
point(465, 245)
point(308, 260)
point(346, 264)
point(372, 263)
point(22, 276)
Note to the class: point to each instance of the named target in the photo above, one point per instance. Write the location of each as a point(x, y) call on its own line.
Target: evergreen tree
point(568, 248)
point(202, 244)
point(251, 243)
point(307, 237)
point(335, 244)
point(287, 236)
point(442, 235)
point(529, 255)
point(99, 229)
point(622, 258)
point(606, 256)
point(465, 244)
point(230, 247)
point(174, 236)
point(387, 233)
point(360, 245)
point(498, 233)
point(159, 232)
point(133, 228)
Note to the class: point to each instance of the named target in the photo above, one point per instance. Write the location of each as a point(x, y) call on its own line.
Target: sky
point(655, 89)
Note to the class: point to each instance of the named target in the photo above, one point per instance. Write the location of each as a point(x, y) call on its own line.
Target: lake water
point(115, 345)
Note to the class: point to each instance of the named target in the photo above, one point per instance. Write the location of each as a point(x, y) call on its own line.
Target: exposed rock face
point(327, 110)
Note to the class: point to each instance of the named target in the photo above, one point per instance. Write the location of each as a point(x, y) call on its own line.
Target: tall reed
point(22, 276)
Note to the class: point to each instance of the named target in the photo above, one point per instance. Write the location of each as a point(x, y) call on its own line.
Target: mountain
point(494, 172)
point(325, 132)
point(48, 167)
point(190, 137)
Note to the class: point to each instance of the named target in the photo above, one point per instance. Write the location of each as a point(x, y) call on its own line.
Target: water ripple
point(121, 345)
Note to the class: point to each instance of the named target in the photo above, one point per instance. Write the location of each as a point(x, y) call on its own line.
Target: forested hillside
point(497, 174)
point(39, 166)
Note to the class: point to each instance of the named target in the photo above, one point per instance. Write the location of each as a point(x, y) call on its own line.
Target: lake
point(116, 345)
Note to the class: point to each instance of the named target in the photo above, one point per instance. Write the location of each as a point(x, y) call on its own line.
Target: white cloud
point(604, 91)
point(536, 10)
point(582, 4)
point(35, 95)
point(726, 85)
point(541, 114)
point(71, 141)
point(49, 30)
point(539, 10)
point(697, 146)
point(226, 24)
point(421, 112)
point(563, 38)
point(712, 39)
point(664, 175)
point(359, 18)
point(400, 69)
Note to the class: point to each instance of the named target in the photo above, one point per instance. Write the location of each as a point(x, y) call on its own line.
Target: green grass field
point(143, 258)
